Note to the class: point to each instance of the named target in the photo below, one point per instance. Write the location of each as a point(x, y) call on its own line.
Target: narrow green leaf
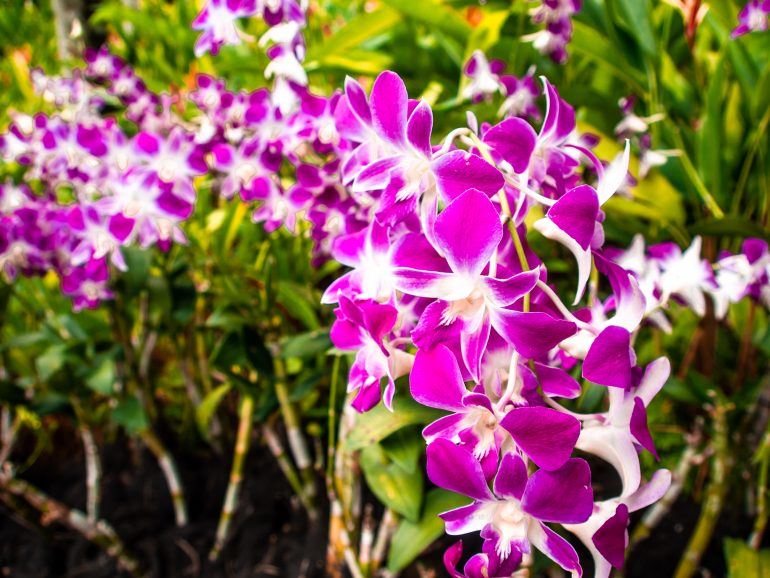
point(636, 20)
point(590, 43)
point(357, 31)
point(298, 302)
point(306, 345)
point(729, 226)
point(435, 15)
point(205, 411)
point(411, 538)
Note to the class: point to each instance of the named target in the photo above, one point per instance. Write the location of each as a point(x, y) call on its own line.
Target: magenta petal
point(555, 547)
point(575, 214)
point(556, 382)
point(356, 100)
point(455, 469)
point(419, 127)
point(388, 103)
point(639, 428)
point(609, 360)
point(465, 519)
point(468, 243)
point(452, 557)
point(563, 496)
point(610, 539)
point(376, 175)
point(446, 427)
point(429, 284)
point(504, 292)
point(457, 171)
point(511, 478)
point(436, 381)
point(547, 436)
point(120, 227)
point(473, 345)
point(147, 143)
point(514, 140)
point(534, 333)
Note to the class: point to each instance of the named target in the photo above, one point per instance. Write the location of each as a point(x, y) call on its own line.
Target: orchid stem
point(170, 472)
point(276, 448)
point(242, 443)
point(658, 512)
point(93, 473)
point(332, 416)
point(755, 540)
point(385, 532)
point(714, 499)
point(297, 443)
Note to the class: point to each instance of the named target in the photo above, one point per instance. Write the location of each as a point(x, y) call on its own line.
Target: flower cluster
point(99, 186)
point(665, 272)
point(753, 18)
point(283, 41)
point(485, 79)
point(444, 270)
point(556, 17)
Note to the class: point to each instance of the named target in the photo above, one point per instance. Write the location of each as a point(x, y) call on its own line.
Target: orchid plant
point(468, 251)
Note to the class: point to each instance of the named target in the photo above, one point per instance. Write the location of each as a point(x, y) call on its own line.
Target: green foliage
point(745, 562)
point(412, 537)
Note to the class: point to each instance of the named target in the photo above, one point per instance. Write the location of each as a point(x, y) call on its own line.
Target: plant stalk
point(242, 443)
point(170, 472)
point(721, 463)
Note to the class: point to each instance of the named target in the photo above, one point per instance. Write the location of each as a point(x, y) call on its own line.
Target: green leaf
point(435, 15)
point(635, 19)
point(102, 380)
point(51, 361)
point(710, 134)
point(380, 422)
point(208, 407)
point(138, 263)
point(357, 31)
point(592, 44)
point(306, 345)
point(369, 62)
point(745, 562)
point(130, 414)
point(395, 487)
point(404, 448)
point(729, 226)
point(298, 302)
point(411, 538)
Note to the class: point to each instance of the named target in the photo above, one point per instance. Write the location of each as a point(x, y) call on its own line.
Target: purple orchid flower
point(217, 23)
point(544, 435)
point(395, 157)
point(475, 299)
point(484, 77)
point(511, 516)
point(753, 18)
point(363, 326)
point(605, 533)
point(615, 435)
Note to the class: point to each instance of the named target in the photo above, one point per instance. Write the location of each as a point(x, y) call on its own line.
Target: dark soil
point(270, 535)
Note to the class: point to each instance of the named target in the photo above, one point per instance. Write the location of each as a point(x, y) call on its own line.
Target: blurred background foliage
point(235, 315)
